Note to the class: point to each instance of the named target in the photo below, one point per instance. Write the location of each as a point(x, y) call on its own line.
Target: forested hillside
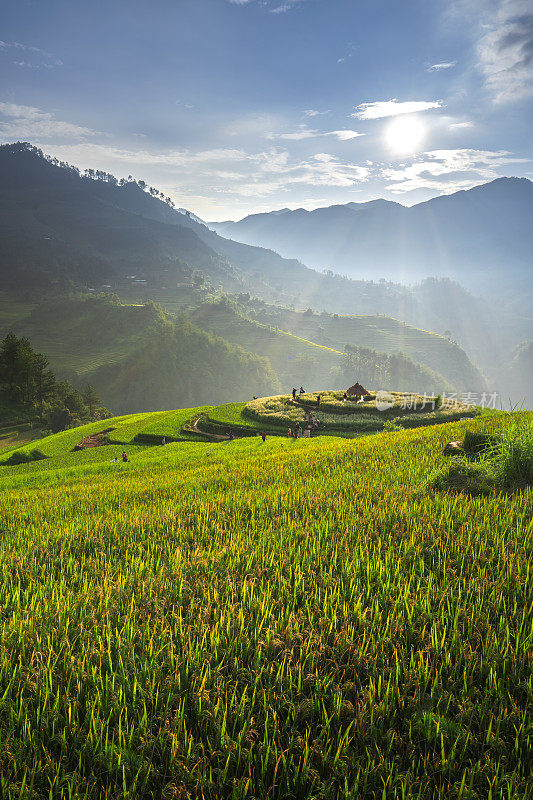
point(139, 358)
point(62, 231)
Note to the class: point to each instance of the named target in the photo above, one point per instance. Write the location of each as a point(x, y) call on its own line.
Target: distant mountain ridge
point(61, 230)
point(484, 232)
point(58, 227)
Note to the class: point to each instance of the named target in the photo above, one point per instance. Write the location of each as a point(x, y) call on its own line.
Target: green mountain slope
point(138, 358)
point(383, 334)
point(58, 228)
point(298, 360)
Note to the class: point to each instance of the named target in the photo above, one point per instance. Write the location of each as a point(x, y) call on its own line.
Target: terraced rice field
point(294, 619)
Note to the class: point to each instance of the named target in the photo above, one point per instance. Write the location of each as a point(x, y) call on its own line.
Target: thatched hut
point(356, 391)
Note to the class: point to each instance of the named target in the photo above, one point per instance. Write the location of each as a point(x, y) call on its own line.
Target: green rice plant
point(513, 456)
point(461, 475)
point(294, 619)
point(151, 428)
point(24, 456)
point(477, 442)
point(66, 440)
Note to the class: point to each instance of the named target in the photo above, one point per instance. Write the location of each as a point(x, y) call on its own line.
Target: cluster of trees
point(28, 385)
point(93, 174)
point(179, 365)
point(394, 371)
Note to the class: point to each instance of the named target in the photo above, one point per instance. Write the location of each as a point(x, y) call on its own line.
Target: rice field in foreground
point(295, 619)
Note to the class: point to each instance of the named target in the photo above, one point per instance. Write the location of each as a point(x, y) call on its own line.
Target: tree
point(91, 400)
point(59, 419)
point(16, 368)
point(45, 384)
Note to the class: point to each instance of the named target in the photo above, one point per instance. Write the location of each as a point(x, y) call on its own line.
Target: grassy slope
point(297, 359)
point(217, 620)
point(79, 337)
point(290, 357)
point(11, 310)
point(16, 435)
point(145, 428)
point(387, 335)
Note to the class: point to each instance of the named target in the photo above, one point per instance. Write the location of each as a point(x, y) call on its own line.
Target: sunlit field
point(294, 619)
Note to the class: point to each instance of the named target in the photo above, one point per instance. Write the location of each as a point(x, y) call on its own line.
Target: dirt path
point(214, 437)
point(96, 440)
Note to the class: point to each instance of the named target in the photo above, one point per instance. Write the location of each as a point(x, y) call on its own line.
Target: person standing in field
point(124, 456)
point(164, 440)
point(294, 393)
point(263, 436)
point(302, 390)
point(318, 401)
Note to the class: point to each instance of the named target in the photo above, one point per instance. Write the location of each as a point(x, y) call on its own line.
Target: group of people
point(124, 458)
point(300, 431)
point(302, 391)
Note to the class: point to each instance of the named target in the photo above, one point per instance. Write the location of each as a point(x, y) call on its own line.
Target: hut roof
point(357, 390)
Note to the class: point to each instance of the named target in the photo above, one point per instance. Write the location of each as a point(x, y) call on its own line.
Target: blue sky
point(239, 106)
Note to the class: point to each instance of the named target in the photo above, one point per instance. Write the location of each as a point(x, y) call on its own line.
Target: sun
point(405, 134)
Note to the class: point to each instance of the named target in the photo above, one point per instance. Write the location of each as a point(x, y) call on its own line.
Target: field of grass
point(11, 311)
point(295, 619)
point(385, 334)
point(406, 410)
point(18, 434)
point(60, 443)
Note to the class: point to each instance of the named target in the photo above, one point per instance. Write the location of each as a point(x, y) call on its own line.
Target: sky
point(233, 107)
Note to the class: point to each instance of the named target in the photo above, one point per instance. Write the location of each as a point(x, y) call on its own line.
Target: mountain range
point(482, 237)
point(63, 231)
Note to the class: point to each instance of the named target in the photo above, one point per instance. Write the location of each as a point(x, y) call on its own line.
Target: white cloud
point(441, 66)
point(296, 136)
point(505, 51)
point(39, 58)
point(29, 123)
point(322, 169)
point(349, 53)
point(308, 133)
point(391, 108)
point(252, 125)
point(278, 8)
point(344, 135)
point(224, 172)
point(466, 124)
point(286, 6)
point(92, 154)
point(447, 171)
point(311, 112)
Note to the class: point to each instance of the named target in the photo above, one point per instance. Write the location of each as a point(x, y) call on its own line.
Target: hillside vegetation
point(303, 353)
point(381, 333)
point(295, 618)
point(61, 230)
point(139, 357)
